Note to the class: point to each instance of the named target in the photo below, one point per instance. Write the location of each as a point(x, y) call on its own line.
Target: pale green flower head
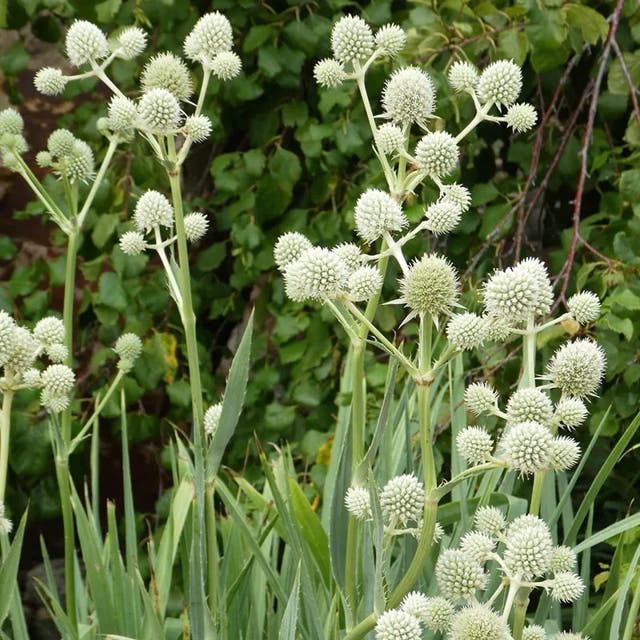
point(128, 347)
point(376, 213)
point(289, 247)
point(490, 520)
point(534, 632)
point(408, 97)
point(85, 43)
point(529, 405)
point(458, 575)
point(402, 499)
point(58, 379)
point(570, 412)
point(11, 121)
point(390, 40)
point(566, 586)
point(466, 331)
point(527, 447)
point(563, 559)
point(159, 111)
point(351, 40)
point(226, 65)
point(198, 128)
point(389, 138)
point(196, 225)
point(211, 35)
point(435, 613)
point(130, 43)
point(521, 117)
point(437, 154)
point(577, 368)
point(397, 625)
point(584, 307)
point(442, 216)
point(329, 73)
point(463, 76)
point(500, 83)
point(364, 283)
point(480, 397)
point(152, 210)
point(212, 419)
point(474, 444)
point(317, 274)
point(565, 453)
point(358, 502)
point(478, 622)
point(528, 547)
point(478, 545)
point(49, 330)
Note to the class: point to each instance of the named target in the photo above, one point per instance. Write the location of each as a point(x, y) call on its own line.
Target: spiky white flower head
point(289, 247)
point(376, 212)
point(527, 447)
point(529, 404)
point(566, 586)
point(195, 226)
point(463, 76)
point(540, 273)
point(563, 559)
point(50, 81)
point(434, 613)
point(198, 128)
point(85, 42)
point(438, 531)
point(350, 254)
point(123, 114)
point(13, 145)
point(430, 286)
point(351, 40)
point(31, 378)
point(132, 243)
point(534, 632)
point(130, 43)
point(478, 622)
point(577, 368)
point(211, 35)
point(23, 350)
point(128, 347)
point(60, 143)
point(474, 444)
point(565, 453)
point(437, 154)
point(212, 419)
point(364, 283)
point(568, 635)
point(457, 194)
point(442, 216)
point(466, 331)
point(489, 520)
point(43, 159)
point(408, 97)
point(57, 352)
point(11, 121)
point(317, 274)
point(389, 138)
point(458, 575)
point(500, 83)
point(329, 73)
point(521, 117)
point(570, 412)
point(167, 71)
point(584, 307)
point(53, 402)
point(478, 545)
point(79, 165)
point(499, 328)
point(159, 111)
point(390, 39)
point(480, 398)
point(49, 330)
point(226, 65)
point(397, 625)
point(152, 210)
point(528, 547)
point(6, 526)
point(402, 498)
point(358, 502)
point(58, 379)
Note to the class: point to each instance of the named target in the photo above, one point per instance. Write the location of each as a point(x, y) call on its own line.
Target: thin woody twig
point(627, 76)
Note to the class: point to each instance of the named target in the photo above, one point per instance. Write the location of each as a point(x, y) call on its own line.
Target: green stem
point(5, 433)
point(212, 549)
point(520, 612)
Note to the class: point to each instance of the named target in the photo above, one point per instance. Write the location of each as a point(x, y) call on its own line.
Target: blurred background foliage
point(286, 156)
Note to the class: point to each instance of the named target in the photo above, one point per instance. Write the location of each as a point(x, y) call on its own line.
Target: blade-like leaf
point(290, 617)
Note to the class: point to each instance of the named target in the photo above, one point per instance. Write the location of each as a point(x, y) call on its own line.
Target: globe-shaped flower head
point(521, 117)
point(364, 283)
point(402, 499)
point(50, 81)
point(466, 331)
point(159, 111)
point(131, 42)
point(212, 419)
point(408, 97)
point(389, 138)
point(474, 444)
point(49, 331)
point(166, 71)
point(500, 83)
point(577, 368)
point(437, 154)
point(351, 40)
point(434, 613)
point(390, 39)
point(195, 226)
point(480, 398)
point(329, 73)
point(570, 412)
point(528, 547)
point(463, 76)
point(376, 212)
point(534, 632)
point(527, 447)
point(458, 575)
point(198, 128)
point(289, 247)
point(226, 65)
point(584, 307)
point(358, 502)
point(211, 35)
point(478, 622)
point(85, 43)
point(397, 625)
point(529, 404)
point(317, 274)
point(123, 114)
point(153, 210)
point(566, 586)
point(490, 520)
point(128, 347)
point(7, 336)
point(442, 216)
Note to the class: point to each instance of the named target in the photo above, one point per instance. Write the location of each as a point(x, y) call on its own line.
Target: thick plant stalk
point(5, 433)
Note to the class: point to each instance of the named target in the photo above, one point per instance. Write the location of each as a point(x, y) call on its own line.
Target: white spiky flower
point(153, 210)
point(53, 402)
point(358, 502)
point(198, 128)
point(534, 632)
point(49, 330)
point(565, 453)
point(463, 76)
point(85, 43)
point(23, 351)
point(226, 65)
point(489, 520)
point(31, 378)
point(437, 154)
point(43, 159)
point(478, 545)
point(212, 34)
point(529, 404)
point(212, 419)
point(528, 547)
point(577, 368)
point(474, 444)
point(544, 290)
point(397, 625)
point(317, 274)
point(11, 121)
point(478, 622)
point(457, 194)
point(480, 397)
point(390, 39)
point(329, 73)
point(351, 40)
point(415, 604)
point(408, 97)
point(442, 216)
point(466, 331)
point(196, 225)
point(6, 526)
point(364, 283)
point(527, 447)
point(570, 412)
point(159, 111)
point(500, 83)
point(521, 117)
point(563, 558)
point(435, 613)
point(566, 586)
point(402, 499)
point(57, 352)
point(60, 143)
point(130, 43)
point(58, 379)
point(80, 163)
point(132, 243)
point(350, 254)
point(376, 212)
point(289, 247)
point(167, 71)
point(50, 81)
point(128, 347)
point(584, 307)
point(568, 635)
point(389, 138)
point(123, 113)
point(458, 575)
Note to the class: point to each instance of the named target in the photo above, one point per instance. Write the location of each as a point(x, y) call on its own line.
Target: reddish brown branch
point(627, 76)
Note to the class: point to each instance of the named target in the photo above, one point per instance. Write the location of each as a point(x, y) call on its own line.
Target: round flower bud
point(212, 419)
point(289, 247)
point(376, 212)
point(226, 65)
point(350, 254)
point(390, 39)
point(198, 128)
point(478, 622)
point(50, 81)
point(408, 97)
point(358, 502)
point(397, 625)
point(329, 73)
point(61, 142)
point(80, 163)
point(430, 286)
point(498, 329)
point(43, 159)
point(58, 379)
point(7, 337)
point(474, 445)
point(563, 559)
point(49, 330)
point(389, 138)
point(466, 331)
point(195, 226)
point(528, 547)
point(442, 217)
point(131, 42)
point(152, 210)
point(500, 83)
point(577, 368)
point(565, 453)
point(458, 575)
point(521, 117)
point(534, 632)
point(317, 274)
point(437, 154)
point(584, 307)
point(85, 43)
point(529, 405)
point(364, 283)
point(16, 144)
point(31, 378)
point(480, 398)
point(567, 635)
point(434, 613)
point(128, 347)
point(489, 520)
point(402, 499)
point(57, 352)
point(159, 111)
point(132, 243)
point(566, 586)
point(351, 39)
point(415, 604)
point(463, 76)
point(527, 447)
point(570, 412)
point(24, 348)
point(478, 545)
point(53, 402)
point(123, 114)
point(211, 35)
point(11, 121)
point(456, 194)
point(544, 292)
